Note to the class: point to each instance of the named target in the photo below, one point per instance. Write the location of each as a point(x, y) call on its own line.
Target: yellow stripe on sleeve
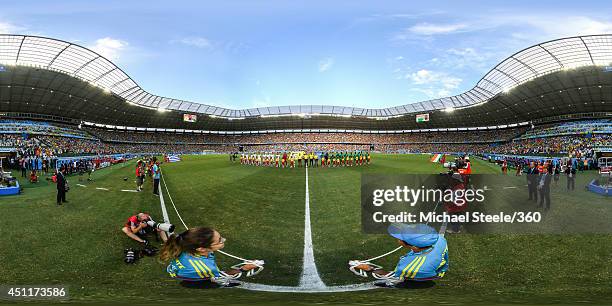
point(409, 266)
point(206, 268)
point(414, 273)
point(196, 267)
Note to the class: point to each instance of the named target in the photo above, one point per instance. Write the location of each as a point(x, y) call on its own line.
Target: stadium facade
point(53, 80)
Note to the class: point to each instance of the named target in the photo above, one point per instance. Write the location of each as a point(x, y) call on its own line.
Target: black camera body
point(460, 163)
point(130, 256)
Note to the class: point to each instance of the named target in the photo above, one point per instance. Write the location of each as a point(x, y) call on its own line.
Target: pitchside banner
point(480, 203)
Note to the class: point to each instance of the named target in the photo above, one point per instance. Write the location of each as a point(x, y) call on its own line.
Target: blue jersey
point(156, 172)
point(193, 267)
point(428, 264)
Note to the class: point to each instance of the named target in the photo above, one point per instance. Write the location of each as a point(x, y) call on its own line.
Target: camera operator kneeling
point(140, 225)
point(191, 257)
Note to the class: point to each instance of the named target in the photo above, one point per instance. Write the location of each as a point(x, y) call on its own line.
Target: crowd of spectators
point(583, 127)
point(505, 141)
point(573, 146)
point(40, 128)
point(276, 138)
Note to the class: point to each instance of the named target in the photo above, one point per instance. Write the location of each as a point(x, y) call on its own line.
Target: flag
point(436, 158)
point(173, 158)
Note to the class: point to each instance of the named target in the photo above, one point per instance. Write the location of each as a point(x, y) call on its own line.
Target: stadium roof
point(523, 66)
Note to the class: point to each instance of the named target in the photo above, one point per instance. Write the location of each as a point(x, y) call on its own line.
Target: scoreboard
point(190, 118)
point(422, 118)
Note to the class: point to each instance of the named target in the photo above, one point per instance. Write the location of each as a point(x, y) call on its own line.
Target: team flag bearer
point(427, 258)
point(191, 258)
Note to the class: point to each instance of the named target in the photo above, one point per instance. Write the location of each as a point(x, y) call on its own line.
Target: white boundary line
point(163, 205)
point(310, 276)
point(102, 188)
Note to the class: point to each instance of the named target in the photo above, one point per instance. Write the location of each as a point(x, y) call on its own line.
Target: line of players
point(311, 159)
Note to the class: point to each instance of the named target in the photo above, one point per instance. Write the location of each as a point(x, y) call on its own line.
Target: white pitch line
point(310, 276)
point(81, 185)
point(128, 190)
point(300, 289)
point(510, 187)
point(102, 188)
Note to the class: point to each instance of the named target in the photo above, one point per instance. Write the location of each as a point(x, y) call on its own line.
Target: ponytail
point(171, 249)
point(187, 241)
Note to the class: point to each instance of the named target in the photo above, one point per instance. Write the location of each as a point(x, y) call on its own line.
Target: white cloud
point(436, 29)
point(198, 42)
point(424, 77)
point(426, 31)
point(434, 84)
point(326, 64)
point(110, 48)
point(470, 58)
point(9, 28)
point(567, 26)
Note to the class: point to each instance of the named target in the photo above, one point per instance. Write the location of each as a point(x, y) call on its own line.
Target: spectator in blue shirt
point(156, 176)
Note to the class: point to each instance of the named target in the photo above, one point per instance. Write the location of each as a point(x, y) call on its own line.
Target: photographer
point(465, 169)
point(140, 175)
point(459, 205)
point(137, 228)
point(191, 256)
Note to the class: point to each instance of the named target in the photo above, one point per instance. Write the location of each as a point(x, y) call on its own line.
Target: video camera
point(459, 163)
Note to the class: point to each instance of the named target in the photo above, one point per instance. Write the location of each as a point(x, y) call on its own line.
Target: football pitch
point(261, 213)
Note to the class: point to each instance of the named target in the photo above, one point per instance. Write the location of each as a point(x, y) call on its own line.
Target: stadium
point(283, 184)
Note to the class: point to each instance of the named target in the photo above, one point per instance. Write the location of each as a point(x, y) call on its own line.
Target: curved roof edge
point(522, 66)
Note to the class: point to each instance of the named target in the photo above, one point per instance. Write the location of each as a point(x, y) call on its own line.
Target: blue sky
point(242, 54)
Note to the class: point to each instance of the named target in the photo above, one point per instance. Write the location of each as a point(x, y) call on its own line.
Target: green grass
point(261, 211)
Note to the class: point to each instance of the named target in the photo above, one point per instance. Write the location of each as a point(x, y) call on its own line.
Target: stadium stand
point(579, 139)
